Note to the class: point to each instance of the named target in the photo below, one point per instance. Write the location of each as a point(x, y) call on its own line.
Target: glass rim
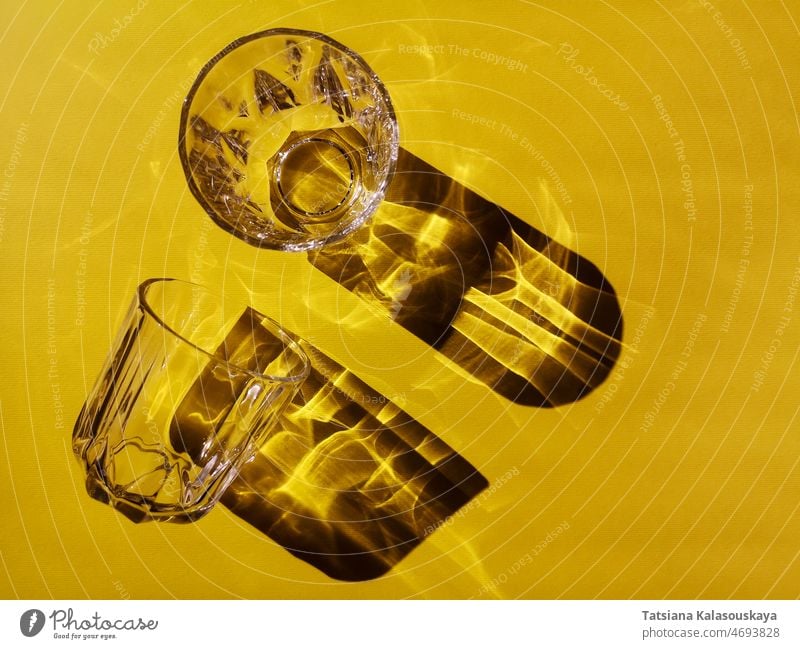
point(283, 334)
point(377, 196)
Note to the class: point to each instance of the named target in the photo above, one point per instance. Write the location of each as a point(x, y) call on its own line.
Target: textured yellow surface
point(658, 140)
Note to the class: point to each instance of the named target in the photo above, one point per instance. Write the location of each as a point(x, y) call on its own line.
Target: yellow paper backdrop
point(676, 155)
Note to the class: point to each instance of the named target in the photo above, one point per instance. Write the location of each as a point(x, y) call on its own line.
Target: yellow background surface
point(678, 477)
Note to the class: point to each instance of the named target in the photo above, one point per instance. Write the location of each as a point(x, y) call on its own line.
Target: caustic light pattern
point(516, 310)
point(347, 481)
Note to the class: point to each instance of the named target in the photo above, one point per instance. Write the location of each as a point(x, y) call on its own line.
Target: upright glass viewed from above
point(288, 139)
point(177, 409)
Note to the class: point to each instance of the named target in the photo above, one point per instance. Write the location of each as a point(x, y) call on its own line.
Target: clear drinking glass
point(288, 139)
point(192, 387)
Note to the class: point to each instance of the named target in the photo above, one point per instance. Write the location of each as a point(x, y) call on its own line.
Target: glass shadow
point(348, 481)
point(524, 315)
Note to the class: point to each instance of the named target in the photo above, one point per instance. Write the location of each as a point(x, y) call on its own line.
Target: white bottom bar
point(401, 625)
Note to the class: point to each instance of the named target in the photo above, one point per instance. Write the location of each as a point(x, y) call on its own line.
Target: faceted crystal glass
point(288, 139)
point(192, 387)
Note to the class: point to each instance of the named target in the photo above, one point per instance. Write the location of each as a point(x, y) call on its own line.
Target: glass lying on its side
point(133, 447)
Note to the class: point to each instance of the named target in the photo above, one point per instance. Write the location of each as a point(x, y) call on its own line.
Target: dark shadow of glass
point(347, 481)
point(531, 319)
